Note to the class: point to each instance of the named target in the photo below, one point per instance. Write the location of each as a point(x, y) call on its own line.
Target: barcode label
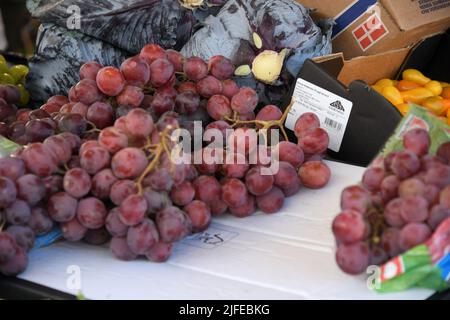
point(333, 124)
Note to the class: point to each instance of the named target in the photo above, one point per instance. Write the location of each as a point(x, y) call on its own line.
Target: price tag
point(332, 110)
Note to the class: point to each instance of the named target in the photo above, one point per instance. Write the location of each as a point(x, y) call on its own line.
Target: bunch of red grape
point(396, 207)
point(98, 163)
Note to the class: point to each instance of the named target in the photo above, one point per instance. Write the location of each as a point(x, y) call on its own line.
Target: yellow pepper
point(435, 87)
point(385, 83)
point(445, 84)
point(403, 108)
point(404, 85)
point(446, 93)
point(417, 95)
point(377, 89)
point(437, 105)
point(393, 95)
point(415, 76)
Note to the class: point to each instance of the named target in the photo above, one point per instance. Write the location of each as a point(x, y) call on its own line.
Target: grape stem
point(94, 127)
point(155, 150)
point(262, 123)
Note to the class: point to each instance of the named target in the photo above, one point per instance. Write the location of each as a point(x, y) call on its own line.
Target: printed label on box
point(370, 32)
point(211, 238)
point(332, 110)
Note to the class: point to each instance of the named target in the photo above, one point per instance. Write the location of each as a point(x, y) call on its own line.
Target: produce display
point(416, 88)
point(398, 205)
point(100, 163)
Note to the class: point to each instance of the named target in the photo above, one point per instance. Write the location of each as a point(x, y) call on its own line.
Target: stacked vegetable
point(419, 89)
point(100, 163)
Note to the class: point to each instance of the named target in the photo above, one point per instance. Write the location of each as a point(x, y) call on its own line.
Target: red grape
point(151, 52)
point(58, 100)
point(101, 114)
point(89, 70)
point(12, 168)
point(305, 124)
point(349, 227)
point(159, 180)
point(91, 213)
point(16, 264)
point(443, 152)
point(207, 189)
point(142, 237)
point(187, 86)
point(417, 141)
point(411, 187)
point(243, 140)
point(161, 104)
point(290, 152)
point(77, 182)
point(438, 176)
point(218, 207)
point(209, 86)
point(200, 215)
point(87, 92)
point(102, 182)
point(414, 209)
point(73, 230)
point(355, 197)
point(110, 81)
point(314, 174)
point(269, 113)
point(187, 102)
point(61, 207)
point(135, 71)
point(161, 71)
point(220, 67)
point(173, 224)
point(234, 192)
point(271, 201)
point(286, 177)
point(139, 123)
point(7, 247)
point(96, 237)
point(405, 164)
point(114, 225)
point(438, 213)
point(176, 59)
point(132, 210)
point(39, 221)
point(247, 209)
point(235, 166)
point(159, 252)
point(128, 163)
point(389, 187)
point(119, 247)
point(413, 234)
point(29, 188)
point(156, 201)
point(112, 139)
point(195, 68)
point(94, 159)
point(59, 147)
point(38, 159)
point(18, 213)
point(182, 194)
point(390, 241)
point(372, 178)
point(353, 258)
point(130, 96)
point(121, 189)
point(218, 107)
point(315, 141)
point(23, 236)
point(229, 88)
point(244, 101)
point(392, 213)
point(258, 183)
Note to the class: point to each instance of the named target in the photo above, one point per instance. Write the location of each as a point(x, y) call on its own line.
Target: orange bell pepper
point(405, 85)
point(446, 93)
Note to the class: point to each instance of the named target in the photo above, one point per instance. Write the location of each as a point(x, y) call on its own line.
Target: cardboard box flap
point(366, 68)
point(412, 14)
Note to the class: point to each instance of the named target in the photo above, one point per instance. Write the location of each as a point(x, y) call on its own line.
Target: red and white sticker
point(370, 32)
point(392, 269)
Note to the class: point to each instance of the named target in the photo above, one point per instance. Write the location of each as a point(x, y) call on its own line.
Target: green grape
point(18, 72)
point(3, 64)
point(24, 95)
point(6, 78)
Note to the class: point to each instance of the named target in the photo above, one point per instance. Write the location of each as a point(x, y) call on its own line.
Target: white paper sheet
point(288, 255)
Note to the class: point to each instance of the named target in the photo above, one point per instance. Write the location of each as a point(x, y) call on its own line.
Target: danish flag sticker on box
point(370, 32)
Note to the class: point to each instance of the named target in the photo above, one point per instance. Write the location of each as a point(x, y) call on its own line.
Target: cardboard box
point(368, 27)
point(287, 255)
